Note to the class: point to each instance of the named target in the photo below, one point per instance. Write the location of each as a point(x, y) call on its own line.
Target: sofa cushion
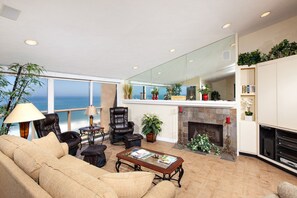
point(69, 161)
point(62, 182)
point(287, 190)
point(9, 143)
point(30, 158)
point(129, 185)
point(162, 190)
point(50, 143)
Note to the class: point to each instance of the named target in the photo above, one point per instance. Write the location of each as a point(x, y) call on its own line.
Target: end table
point(91, 132)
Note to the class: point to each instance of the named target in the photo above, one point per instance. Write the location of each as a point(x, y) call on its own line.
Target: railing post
point(69, 120)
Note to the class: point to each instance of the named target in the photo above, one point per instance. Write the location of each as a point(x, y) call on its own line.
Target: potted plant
point(203, 144)
point(155, 93)
point(204, 90)
point(151, 126)
point(248, 115)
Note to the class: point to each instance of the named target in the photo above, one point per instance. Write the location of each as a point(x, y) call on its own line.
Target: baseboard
point(165, 139)
point(248, 154)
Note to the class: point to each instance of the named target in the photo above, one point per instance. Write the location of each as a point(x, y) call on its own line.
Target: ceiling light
point(31, 42)
point(232, 45)
point(190, 61)
point(135, 67)
point(172, 50)
point(265, 14)
point(226, 25)
point(159, 73)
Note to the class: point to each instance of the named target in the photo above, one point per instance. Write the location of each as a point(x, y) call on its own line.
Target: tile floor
point(211, 177)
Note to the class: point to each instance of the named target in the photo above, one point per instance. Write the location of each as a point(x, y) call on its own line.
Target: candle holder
point(227, 143)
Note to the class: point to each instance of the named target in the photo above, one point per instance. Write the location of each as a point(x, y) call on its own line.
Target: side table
point(91, 132)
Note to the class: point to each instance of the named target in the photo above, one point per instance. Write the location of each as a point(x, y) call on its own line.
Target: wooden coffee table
point(167, 171)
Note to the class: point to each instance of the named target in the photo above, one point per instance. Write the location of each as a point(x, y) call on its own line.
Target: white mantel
point(191, 103)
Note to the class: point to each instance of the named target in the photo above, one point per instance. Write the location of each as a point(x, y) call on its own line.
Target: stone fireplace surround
point(206, 115)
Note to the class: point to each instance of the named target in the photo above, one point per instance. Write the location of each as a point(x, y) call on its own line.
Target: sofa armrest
point(164, 189)
point(271, 196)
point(286, 190)
point(65, 148)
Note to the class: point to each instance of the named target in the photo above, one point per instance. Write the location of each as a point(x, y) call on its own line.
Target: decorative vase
point(248, 118)
point(151, 137)
point(204, 96)
point(156, 97)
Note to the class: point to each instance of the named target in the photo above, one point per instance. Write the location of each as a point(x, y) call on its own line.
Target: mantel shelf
point(196, 103)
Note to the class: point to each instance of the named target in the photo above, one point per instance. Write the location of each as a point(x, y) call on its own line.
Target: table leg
point(180, 175)
point(117, 165)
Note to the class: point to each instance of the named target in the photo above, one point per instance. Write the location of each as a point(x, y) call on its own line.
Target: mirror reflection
point(206, 72)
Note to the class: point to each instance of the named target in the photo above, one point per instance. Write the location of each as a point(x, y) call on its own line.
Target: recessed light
point(232, 45)
point(31, 42)
point(172, 50)
point(265, 14)
point(135, 67)
point(190, 61)
point(159, 73)
point(226, 25)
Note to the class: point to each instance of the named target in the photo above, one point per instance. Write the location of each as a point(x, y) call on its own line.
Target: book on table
point(141, 154)
point(166, 159)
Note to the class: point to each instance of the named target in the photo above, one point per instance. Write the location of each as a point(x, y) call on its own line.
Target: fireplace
point(213, 131)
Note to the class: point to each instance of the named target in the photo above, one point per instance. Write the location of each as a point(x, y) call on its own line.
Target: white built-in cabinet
point(266, 91)
point(277, 93)
point(248, 137)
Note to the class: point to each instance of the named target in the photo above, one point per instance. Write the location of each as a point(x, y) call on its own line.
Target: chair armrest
point(69, 135)
point(65, 148)
point(164, 189)
point(131, 124)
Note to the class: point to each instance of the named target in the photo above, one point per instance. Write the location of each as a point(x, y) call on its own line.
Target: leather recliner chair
point(51, 124)
point(119, 124)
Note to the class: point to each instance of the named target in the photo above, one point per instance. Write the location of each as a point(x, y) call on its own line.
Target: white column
point(91, 84)
point(50, 95)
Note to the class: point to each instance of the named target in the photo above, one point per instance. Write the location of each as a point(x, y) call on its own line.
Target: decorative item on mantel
point(204, 90)
point(155, 93)
point(227, 150)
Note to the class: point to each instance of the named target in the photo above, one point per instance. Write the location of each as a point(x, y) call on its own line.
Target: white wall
point(264, 39)
point(168, 114)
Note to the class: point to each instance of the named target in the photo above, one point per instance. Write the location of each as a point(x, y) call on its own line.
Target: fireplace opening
point(213, 131)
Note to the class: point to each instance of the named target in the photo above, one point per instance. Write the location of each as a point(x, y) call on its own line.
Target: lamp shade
point(91, 110)
point(24, 113)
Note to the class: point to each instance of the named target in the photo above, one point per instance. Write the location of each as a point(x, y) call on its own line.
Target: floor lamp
point(24, 114)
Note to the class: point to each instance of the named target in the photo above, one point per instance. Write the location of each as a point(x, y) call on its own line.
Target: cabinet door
point(248, 137)
point(267, 104)
point(287, 93)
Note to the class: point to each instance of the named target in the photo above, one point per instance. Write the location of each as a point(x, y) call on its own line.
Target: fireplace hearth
point(213, 131)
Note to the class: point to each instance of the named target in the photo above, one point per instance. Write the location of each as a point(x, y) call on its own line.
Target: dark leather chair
point(51, 124)
point(119, 124)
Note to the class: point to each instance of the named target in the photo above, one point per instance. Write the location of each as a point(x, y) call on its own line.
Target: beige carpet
point(206, 176)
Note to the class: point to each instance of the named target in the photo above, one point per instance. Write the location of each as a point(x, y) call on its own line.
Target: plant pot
point(151, 137)
point(205, 97)
point(248, 118)
point(155, 97)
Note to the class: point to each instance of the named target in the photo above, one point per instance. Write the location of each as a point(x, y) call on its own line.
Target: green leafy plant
point(155, 91)
point(176, 89)
point(283, 49)
point(26, 80)
point(151, 124)
point(202, 143)
point(248, 113)
point(205, 89)
point(215, 95)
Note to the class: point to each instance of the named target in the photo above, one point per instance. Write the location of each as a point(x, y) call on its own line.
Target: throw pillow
point(50, 143)
point(129, 185)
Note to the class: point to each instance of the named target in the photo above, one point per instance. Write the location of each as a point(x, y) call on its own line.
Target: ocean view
point(78, 118)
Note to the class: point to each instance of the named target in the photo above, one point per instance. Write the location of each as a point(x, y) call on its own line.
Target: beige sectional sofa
point(43, 168)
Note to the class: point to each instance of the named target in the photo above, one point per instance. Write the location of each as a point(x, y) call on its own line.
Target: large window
point(97, 100)
point(39, 96)
point(71, 95)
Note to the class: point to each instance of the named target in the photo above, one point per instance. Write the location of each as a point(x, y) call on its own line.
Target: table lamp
point(91, 111)
point(23, 114)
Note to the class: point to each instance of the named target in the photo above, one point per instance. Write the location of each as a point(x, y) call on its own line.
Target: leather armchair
point(119, 124)
point(51, 124)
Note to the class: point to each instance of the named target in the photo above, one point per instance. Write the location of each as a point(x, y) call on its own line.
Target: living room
point(99, 55)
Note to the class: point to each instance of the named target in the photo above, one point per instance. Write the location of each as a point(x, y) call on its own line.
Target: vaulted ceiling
point(107, 38)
